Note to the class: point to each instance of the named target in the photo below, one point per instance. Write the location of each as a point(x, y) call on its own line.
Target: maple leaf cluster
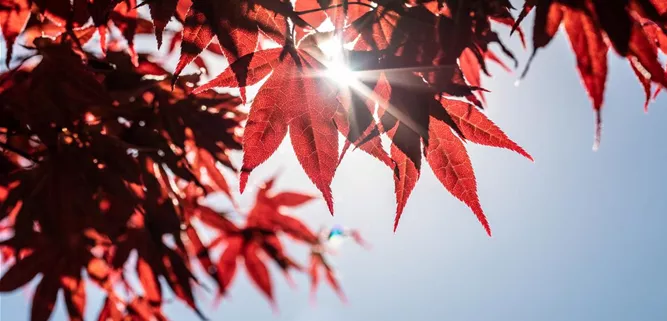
point(419, 85)
point(416, 80)
point(105, 158)
point(634, 29)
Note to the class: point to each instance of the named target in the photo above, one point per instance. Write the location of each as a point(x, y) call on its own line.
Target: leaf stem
point(298, 13)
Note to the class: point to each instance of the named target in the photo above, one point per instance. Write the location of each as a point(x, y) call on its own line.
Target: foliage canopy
point(105, 152)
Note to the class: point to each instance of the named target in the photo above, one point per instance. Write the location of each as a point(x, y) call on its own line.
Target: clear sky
point(577, 235)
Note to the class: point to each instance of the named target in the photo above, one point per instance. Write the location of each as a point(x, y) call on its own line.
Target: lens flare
point(336, 231)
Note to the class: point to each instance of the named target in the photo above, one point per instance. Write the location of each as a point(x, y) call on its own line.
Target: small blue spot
point(336, 230)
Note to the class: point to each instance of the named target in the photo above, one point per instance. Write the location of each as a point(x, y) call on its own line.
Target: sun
point(340, 73)
point(336, 68)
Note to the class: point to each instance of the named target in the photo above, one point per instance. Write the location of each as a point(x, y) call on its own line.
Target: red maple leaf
point(258, 239)
point(293, 97)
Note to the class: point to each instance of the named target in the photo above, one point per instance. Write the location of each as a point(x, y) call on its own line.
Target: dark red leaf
point(161, 12)
point(45, 297)
point(24, 270)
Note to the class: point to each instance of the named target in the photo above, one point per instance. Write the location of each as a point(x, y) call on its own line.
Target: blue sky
point(578, 235)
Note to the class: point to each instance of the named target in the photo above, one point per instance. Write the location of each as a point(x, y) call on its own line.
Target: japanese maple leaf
point(258, 239)
point(267, 213)
point(252, 246)
point(444, 150)
point(248, 251)
point(290, 98)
